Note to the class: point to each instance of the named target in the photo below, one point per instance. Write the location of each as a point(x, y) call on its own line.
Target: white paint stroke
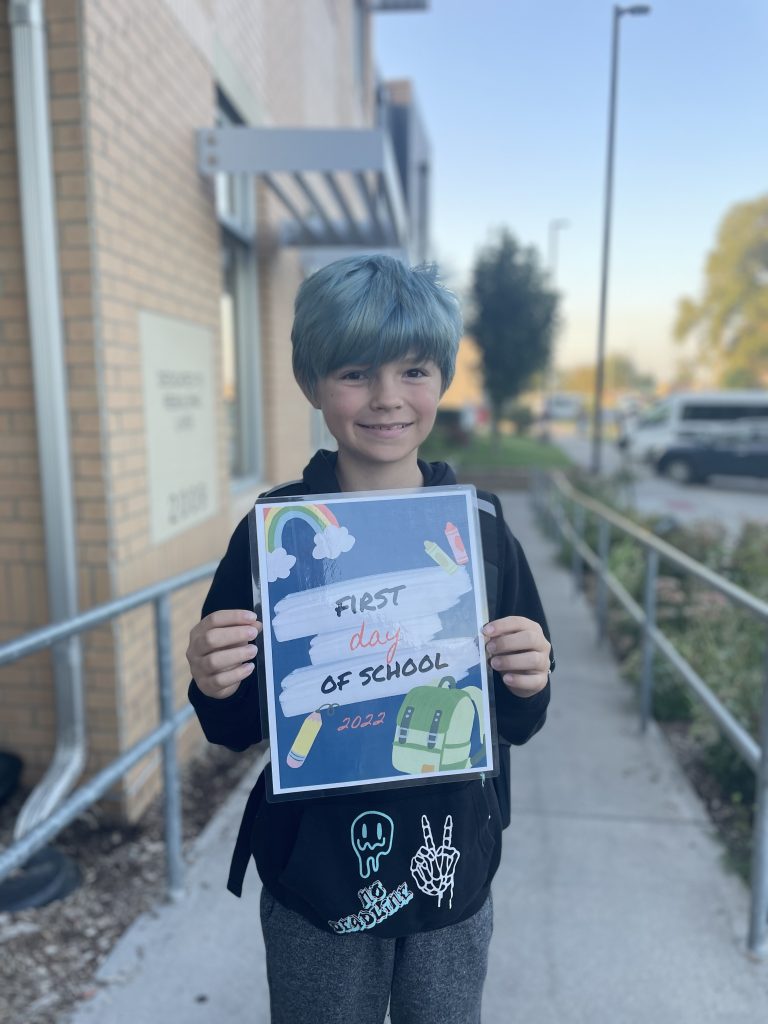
point(402, 595)
point(302, 690)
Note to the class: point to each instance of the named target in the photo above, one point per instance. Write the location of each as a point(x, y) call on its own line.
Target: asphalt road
point(731, 501)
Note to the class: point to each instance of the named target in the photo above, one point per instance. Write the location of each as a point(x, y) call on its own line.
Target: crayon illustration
point(305, 737)
point(453, 537)
point(437, 554)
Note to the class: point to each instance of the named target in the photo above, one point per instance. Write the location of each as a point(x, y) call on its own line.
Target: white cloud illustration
point(332, 542)
point(279, 564)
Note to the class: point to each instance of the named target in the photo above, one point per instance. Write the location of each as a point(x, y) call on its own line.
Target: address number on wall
point(184, 504)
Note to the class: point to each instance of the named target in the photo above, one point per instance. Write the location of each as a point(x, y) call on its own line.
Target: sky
point(514, 94)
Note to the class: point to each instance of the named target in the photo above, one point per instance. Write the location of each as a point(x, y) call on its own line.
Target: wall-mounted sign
point(373, 605)
point(180, 424)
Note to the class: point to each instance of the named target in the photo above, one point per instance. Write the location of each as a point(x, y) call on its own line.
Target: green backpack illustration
point(434, 728)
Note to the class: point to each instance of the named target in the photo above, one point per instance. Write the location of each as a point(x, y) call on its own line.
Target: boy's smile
point(379, 417)
point(386, 429)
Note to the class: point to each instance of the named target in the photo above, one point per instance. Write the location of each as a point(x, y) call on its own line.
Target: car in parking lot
point(697, 460)
point(692, 416)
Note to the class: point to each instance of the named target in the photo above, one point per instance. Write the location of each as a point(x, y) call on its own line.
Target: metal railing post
point(551, 507)
point(536, 490)
point(171, 788)
point(603, 549)
point(537, 487)
point(577, 562)
point(758, 914)
point(649, 607)
point(556, 510)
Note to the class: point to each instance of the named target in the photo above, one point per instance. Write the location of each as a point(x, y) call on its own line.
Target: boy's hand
point(220, 651)
point(518, 650)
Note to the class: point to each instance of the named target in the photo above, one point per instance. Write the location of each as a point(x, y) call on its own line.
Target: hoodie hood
point(319, 476)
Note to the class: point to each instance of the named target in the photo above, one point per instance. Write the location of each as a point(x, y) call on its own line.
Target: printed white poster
point(373, 606)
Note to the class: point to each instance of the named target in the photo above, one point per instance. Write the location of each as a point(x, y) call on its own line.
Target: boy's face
point(381, 416)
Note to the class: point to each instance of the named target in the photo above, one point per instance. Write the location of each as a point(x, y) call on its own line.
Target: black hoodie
point(391, 862)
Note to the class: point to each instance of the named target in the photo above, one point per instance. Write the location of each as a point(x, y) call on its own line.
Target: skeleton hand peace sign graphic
point(433, 867)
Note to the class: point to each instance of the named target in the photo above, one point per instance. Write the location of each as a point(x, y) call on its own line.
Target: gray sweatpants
point(316, 977)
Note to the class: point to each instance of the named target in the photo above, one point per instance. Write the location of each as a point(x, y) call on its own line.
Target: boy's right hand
point(220, 651)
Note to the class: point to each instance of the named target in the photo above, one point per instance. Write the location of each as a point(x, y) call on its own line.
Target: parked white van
point(699, 415)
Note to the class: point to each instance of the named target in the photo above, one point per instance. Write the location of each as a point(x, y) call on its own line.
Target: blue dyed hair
point(371, 310)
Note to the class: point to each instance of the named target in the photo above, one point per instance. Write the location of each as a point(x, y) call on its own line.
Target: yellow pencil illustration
point(305, 737)
point(437, 554)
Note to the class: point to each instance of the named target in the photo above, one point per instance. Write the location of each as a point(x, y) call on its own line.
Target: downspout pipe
point(41, 261)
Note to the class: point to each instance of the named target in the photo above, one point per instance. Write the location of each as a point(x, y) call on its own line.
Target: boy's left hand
point(518, 650)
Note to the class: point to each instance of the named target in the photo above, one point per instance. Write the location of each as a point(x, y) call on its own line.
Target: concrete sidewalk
point(611, 903)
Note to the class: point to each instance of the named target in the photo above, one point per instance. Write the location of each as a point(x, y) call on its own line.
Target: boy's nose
point(385, 394)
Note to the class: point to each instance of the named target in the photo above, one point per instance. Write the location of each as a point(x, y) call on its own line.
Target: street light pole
point(597, 413)
point(556, 225)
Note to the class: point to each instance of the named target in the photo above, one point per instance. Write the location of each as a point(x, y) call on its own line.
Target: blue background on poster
point(389, 536)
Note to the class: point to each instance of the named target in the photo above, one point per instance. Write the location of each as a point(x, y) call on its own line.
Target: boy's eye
point(416, 371)
point(352, 375)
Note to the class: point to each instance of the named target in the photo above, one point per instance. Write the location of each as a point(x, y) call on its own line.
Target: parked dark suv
point(696, 461)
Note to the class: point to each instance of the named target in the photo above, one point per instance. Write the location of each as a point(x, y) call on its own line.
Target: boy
point(374, 348)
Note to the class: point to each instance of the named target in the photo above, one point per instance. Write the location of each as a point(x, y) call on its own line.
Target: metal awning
point(339, 187)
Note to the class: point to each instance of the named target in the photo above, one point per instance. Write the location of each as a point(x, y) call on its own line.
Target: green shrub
point(671, 698)
point(725, 645)
point(521, 416)
point(748, 562)
point(449, 431)
point(626, 561)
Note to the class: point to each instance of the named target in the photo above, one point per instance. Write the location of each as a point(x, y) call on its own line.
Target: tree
point(578, 379)
point(513, 320)
point(621, 374)
point(729, 323)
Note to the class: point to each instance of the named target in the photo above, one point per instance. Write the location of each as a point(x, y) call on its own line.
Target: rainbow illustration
point(319, 517)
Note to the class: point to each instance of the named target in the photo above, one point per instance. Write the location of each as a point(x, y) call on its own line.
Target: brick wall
point(130, 85)
point(155, 248)
point(26, 688)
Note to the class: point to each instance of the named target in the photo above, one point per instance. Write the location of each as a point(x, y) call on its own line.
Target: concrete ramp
point(612, 904)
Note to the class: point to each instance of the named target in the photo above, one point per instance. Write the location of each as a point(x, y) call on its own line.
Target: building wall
point(466, 390)
point(138, 233)
point(155, 249)
point(27, 723)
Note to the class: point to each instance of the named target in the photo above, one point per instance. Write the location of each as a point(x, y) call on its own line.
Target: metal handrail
point(46, 636)
point(171, 721)
point(553, 495)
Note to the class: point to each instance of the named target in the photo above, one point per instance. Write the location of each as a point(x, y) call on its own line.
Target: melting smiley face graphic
point(372, 833)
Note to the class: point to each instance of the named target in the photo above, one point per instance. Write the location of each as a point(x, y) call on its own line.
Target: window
point(240, 358)
point(655, 417)
point(721, 411)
